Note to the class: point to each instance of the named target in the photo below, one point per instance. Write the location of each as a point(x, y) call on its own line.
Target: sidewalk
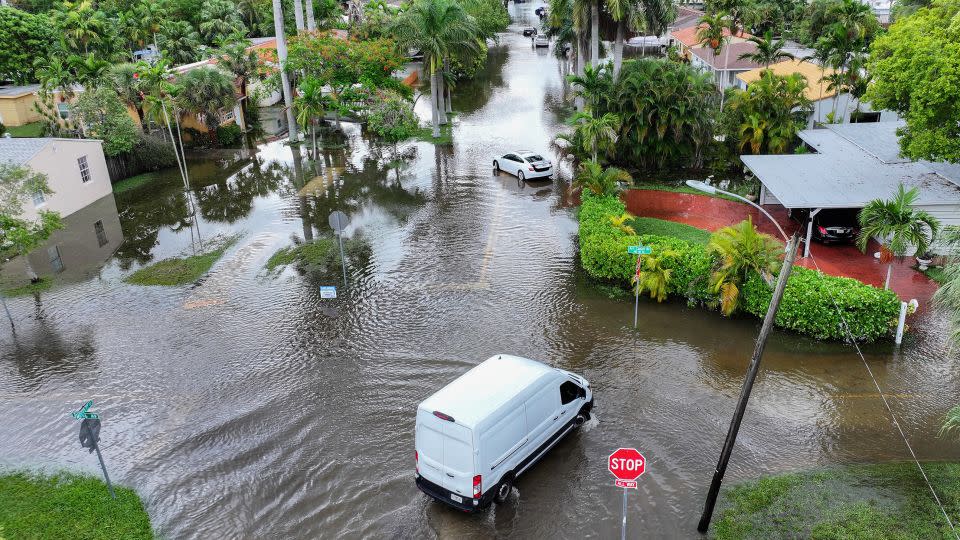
point(712, 213)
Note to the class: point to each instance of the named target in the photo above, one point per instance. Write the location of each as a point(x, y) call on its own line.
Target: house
point(17, 105)
point(827, 104)
point(76, 171)
point(853, 165)
point(725, 66)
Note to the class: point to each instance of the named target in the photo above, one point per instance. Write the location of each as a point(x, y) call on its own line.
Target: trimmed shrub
point(228, 135)
point(808, 302)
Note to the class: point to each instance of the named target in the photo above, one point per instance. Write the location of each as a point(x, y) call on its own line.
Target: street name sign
point(328, 292)
point(639, 250)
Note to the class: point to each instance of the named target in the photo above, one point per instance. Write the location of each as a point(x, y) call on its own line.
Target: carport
point(854, 164)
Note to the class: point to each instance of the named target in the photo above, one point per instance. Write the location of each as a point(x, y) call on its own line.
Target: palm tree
point(125, 79)
point(581, 26)
point(898, 227)
point(596, 133)
point(603, 182)
point(593, 85)
point(820, 56)
point(89, 69)
point(438, 29)
point(244, 65)
point(768, 51)
point(179, 41)
point(711, 33)
point(653, 276)
point(740, 250)
point(311, 104)
point(951, 422)
point(622, 13)
point(206, 91)
point(81, 25)
point(219, 20)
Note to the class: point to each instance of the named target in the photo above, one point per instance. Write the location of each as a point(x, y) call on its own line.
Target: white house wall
point(59, 161)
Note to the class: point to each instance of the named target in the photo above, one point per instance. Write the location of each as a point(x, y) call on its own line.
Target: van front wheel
point(503, 490)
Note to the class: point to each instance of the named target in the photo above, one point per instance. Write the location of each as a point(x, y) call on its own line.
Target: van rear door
point(445, 453)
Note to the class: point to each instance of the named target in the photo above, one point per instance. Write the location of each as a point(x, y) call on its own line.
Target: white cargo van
point(480, 432)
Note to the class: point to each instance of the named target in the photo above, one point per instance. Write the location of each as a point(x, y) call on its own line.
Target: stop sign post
point(626, 465)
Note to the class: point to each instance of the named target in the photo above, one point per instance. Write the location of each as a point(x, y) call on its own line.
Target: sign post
point(338, 221)
point(638, 250)
point(626, 465)
point(90, 437)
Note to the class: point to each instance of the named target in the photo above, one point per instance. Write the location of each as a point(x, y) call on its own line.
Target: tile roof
point(688, 35)
point(686, 17)
point(816, 88)
point(729, 56)
point(18, 151)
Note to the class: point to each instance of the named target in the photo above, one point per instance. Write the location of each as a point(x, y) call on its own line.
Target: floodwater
point(247, 407)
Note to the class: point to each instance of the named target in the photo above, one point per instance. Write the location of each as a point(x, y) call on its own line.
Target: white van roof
point(485, 388)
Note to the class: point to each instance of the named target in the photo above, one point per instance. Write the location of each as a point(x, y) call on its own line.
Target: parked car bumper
point(537, 175)
point(442, 494)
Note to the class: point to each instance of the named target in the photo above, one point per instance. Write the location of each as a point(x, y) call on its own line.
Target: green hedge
point(807, 306)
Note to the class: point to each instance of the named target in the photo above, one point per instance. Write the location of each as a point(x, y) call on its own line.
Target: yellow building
point(17, 105)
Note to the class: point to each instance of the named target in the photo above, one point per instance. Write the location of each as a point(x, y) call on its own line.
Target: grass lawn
point(445, 138)
point(134, 182)
point(179, 270)
point(34, 129)
point(888, 500)
point(68, 506)
point(322, 255)
point(28, 289)
point(936, 273)
point(644, 225)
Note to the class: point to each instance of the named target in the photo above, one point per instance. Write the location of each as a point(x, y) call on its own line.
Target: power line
point(883, 398)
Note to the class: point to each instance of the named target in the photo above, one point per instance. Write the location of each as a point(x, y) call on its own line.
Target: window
point(84, 169)
point(101, 235)
point(64, 110)
point(38, 198)
point(569, 392)
point(56, 263)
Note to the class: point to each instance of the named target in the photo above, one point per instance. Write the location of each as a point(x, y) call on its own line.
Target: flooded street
point(247, 407)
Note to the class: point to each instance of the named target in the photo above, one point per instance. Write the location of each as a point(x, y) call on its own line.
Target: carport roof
point(855, 164)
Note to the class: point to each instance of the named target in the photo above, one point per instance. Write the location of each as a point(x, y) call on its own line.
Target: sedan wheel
point(496, 166)
point(520, 175)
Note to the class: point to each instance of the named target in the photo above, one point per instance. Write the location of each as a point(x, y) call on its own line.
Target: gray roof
point(729, 57)
point(855, 164)
point(16, 91)
point(19, 150)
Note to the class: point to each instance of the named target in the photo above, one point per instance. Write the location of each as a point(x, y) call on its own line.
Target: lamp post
point(707, 188)
point(754, 360)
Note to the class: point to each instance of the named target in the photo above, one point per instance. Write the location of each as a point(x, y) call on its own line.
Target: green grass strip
point(29, 289)
point(660, 227)
point(134, 182)
point(179, 270)
point(888, 500)
point(33, 129)
point(68, 506)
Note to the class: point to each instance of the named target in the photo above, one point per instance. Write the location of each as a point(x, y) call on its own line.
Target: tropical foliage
point(205, 92)
point(810, 301)
point(916, 72)
point(654, 276)
point(766, 117)
point(23, 37)
point(20, 236)
point(741, 250)
point(103, 116)
point(768, 50)
point(593, 177)
point(898, 226)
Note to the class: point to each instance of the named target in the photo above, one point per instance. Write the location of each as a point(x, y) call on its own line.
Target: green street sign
point(84, 413)
point(639, 250)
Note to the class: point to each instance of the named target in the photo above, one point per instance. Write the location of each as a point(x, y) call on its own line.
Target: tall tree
point(898, 226)
point(179, 41)
point(125, 79)
point(311, 104)
point(437, 28)
point(244, 65)
point(219, 21)
point(23, 38)
point(596, 133)
point(712, 33)
point(768, 51)
point(916, 72)
point(206, 91)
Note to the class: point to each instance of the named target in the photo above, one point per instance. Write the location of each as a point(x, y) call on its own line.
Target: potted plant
point(924, 260)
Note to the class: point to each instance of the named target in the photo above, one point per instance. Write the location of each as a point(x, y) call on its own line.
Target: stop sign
point(626, 463)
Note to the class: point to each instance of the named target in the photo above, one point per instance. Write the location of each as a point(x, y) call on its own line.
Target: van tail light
point(822, 229)
point(416, 460)
point(477, 487)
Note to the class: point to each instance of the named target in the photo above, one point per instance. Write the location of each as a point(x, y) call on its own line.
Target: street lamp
point(754, 361)
point(707, 188)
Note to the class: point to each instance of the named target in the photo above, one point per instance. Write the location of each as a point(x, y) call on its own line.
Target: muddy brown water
point(247, 407)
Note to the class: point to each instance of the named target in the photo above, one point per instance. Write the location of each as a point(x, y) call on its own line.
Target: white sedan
point(525, 165)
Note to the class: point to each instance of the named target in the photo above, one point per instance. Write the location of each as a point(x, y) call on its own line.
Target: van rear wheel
point(503, 490)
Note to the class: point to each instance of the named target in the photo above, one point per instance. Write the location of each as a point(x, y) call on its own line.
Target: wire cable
point(916, 461)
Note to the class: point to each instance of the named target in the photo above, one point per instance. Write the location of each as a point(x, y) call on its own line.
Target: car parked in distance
point(541, 41)
point(529, 31)
point(830, 225)
point(524, 164)
point(478, 434)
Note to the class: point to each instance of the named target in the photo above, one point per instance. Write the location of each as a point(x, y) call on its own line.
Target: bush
point(807, 306)
point(228, 135)
point(152, 154)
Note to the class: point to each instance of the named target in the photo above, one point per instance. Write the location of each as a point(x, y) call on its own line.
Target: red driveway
point(711, 213)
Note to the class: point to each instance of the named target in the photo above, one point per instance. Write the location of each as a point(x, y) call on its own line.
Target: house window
point(38, 198)
point(64, 110)
point(56, 263)
point(101, 234)
point(84, 169)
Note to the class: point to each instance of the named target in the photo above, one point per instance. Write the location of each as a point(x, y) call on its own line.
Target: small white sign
point(328, 292)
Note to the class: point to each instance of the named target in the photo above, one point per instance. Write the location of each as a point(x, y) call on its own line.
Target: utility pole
point(284, 78)
point(748, 383)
